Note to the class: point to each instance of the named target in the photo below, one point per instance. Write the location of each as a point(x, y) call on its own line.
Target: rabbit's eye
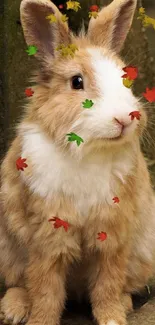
point(77, 82)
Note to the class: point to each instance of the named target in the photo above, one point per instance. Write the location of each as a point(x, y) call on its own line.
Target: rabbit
point(77, 219)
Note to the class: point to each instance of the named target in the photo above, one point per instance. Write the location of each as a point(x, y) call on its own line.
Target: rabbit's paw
point(110, 314)
point(127, 303)
point(15, 305)
point(111, 322)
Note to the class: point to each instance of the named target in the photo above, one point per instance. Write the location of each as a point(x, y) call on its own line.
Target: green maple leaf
point(32, 50)
point(88, 103)
point(74, 137)
point(127, 82)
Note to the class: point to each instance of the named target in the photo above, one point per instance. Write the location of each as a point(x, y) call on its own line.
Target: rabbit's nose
point(122, 122)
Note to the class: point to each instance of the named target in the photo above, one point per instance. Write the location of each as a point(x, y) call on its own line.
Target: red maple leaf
point(116, 199)
point(94, 8)
point(135, 114)
point(59, 223)
point(20, 163)
point(61, 6)
point(131, 72)
point(29, 92)
point(150, 94)
point(102, 236)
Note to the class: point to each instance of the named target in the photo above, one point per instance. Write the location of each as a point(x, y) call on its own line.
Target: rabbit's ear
point(39, 31)
point(112, 25)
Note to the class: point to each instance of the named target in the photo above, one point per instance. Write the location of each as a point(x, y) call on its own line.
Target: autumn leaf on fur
point(67, 50)
point(64, 18)
point(94, 8)
point(93, 14)
point(29, 92)
point(93, 11)
point(127, 83)
point(150, 94)
point(32, 50)
point(130, 72)
point(20, 163)
point(135, 114)
point(60, 223)
point(116, 199)
point(74, 137)
point(74, 5)
point(52, 18)
point(88, 103)
point(146, 20)
point(102, 236)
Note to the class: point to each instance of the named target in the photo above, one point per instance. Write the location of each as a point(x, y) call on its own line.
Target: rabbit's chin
point(127, 135)
point(100, 143)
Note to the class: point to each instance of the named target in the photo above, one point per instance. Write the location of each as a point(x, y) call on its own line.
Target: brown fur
point(46, 264)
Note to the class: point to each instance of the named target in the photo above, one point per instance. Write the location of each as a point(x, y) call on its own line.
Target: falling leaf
point(131, 73)
point(29, 92)
point(150, 94)
point(142, 10)
point(94, 8)
point(141, 13)
point(64, 18)
point(74, 5)
point(116, 199)
point(74, 137)
point(20, 163)
point(102, 236)
point(88, 103)
point(32, 50)
point(67, 50)
point(61, 6)
point(146, 20)
point(93, 14)
point(127, 83)
point(135, 114)
point(60, 223)
point(52, 18)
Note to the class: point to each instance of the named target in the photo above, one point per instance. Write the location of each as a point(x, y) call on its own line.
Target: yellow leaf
point(52, 18)
point(146, 20)
point(127, 82)
point(67, 50)
point(74, 5)
point(142, 10)
point(152, 21)
point(64, 18)
point(93, 14)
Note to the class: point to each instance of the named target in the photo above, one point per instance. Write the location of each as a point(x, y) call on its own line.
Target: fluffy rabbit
point(41, 261)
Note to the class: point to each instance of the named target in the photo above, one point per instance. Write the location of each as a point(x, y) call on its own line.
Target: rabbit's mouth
point(115, 138)
point(126, 132)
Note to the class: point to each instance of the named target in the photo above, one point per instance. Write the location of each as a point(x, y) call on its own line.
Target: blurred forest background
point(16, 66)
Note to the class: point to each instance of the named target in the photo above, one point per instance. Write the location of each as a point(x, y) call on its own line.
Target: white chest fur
point(89, 182)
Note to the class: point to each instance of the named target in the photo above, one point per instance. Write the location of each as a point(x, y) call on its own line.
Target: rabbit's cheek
point(95, 125)
point(114, 101)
